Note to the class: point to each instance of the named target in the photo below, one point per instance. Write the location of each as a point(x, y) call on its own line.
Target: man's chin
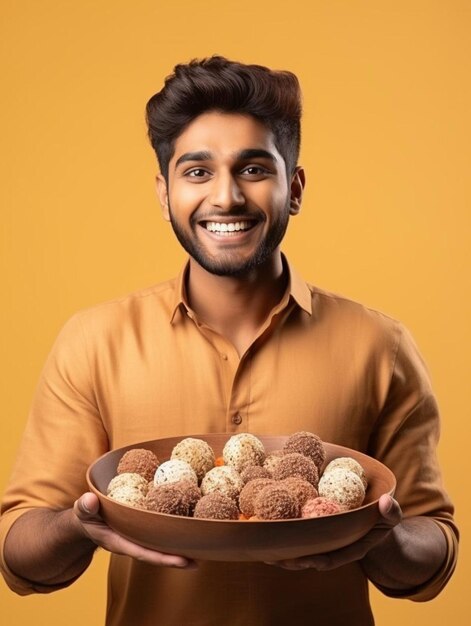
point(235, 270)
point(231, 267)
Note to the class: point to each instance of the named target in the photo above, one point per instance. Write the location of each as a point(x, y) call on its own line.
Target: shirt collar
point(297, 289)
point(180, 300)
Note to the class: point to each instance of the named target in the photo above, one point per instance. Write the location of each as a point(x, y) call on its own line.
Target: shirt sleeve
point(405, 439)
point(63, 436)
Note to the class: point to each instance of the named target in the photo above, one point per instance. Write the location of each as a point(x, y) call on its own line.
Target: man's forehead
point(228, 134)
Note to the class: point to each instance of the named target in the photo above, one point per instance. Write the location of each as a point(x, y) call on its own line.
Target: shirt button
point(237, 419)
point(223, 356)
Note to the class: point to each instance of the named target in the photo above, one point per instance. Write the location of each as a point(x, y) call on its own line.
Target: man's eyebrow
point(243, 155)
point(194, 156)
point(254, 153)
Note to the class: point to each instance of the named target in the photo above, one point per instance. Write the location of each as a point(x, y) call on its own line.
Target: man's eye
point(197, 173)
point(254, 170)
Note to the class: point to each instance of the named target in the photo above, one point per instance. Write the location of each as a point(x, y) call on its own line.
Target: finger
point(354, 552)
point(120, 545)
point(87, 507)
point(331, 560)
point(292, 564)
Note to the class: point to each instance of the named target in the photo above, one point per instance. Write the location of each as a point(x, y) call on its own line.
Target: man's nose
point(226, 192)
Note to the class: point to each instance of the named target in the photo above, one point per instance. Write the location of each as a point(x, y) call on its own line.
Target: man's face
point(228, 196)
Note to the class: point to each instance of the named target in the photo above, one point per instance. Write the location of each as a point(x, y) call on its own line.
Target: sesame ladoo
point(342, 486)
point(272, 460)
point(254, 471)
point(139, 461)
point(216, 506)
point(318, 507)
point(128, 495)
point(300, 488)
point(167, 498)
point(224, 479)
point(191, 494)
point(243, 449)
point(276, 502)
point(346, 462)
point(250, 492)
point(173, 471)
point(197, 453)
point(308, 444)
point(296, 464)
point(128, 479)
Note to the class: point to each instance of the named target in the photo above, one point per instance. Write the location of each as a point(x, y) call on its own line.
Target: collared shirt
point(143, 367)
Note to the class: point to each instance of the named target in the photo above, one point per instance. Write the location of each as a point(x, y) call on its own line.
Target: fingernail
point(186, 565)
point(85, 507)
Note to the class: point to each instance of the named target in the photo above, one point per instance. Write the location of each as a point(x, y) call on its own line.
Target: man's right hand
point(86, 510)
point(48, 547)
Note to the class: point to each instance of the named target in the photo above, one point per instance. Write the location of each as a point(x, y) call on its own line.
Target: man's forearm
point(53, 547)
point(409, 556)
point(48, 547)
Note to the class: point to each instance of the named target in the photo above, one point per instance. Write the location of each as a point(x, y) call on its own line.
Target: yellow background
point(386, 216)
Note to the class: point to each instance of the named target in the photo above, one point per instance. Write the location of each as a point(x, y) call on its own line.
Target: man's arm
point(414, 555)
point(55, 547)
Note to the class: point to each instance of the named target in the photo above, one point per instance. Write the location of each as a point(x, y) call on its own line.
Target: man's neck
point(236, 307)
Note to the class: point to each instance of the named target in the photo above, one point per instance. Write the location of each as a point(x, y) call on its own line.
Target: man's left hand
point(390, 516)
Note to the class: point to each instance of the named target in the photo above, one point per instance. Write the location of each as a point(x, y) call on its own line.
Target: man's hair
point(217, 84)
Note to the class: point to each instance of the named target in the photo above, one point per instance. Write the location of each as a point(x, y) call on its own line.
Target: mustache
point(239, 212)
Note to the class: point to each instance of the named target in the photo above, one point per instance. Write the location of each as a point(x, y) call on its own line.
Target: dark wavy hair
point(215, 83)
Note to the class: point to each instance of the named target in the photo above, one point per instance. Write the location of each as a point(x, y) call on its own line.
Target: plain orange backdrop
point(386, 216)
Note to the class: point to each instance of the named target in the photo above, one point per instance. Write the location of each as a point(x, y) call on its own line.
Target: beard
point(227, 263)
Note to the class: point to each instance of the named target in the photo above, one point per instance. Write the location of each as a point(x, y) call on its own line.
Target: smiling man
point(237, 343)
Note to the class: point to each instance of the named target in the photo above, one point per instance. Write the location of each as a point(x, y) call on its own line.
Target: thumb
point(87, 506)
point(390, 510)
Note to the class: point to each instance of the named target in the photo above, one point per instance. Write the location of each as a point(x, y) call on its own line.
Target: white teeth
point(222, 227)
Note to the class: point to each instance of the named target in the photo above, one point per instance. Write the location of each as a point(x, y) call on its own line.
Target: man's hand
point(391, 516)
point(86, 510)
point(50, 547)
point(398, 554)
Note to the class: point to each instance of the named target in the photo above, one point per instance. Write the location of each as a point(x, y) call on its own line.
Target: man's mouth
point(228, 228)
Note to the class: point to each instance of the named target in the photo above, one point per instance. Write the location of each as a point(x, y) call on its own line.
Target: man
point(237, 343)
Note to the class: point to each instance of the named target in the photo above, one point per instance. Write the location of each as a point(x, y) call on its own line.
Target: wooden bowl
point(217, 540)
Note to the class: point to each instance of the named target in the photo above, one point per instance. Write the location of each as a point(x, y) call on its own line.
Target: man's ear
point(163, 196)
point(298, 182)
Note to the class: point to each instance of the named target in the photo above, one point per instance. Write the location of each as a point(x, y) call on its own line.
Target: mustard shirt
point(143, 367)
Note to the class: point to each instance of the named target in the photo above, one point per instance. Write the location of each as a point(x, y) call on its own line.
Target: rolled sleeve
point(63, 436)
point(405, 440)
